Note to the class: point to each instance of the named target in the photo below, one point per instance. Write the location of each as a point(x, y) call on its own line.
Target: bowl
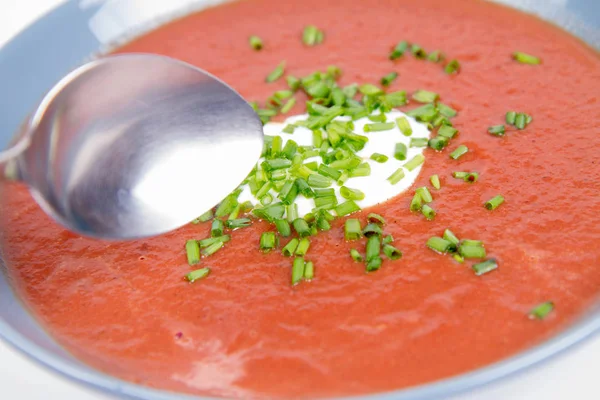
point(77, 31)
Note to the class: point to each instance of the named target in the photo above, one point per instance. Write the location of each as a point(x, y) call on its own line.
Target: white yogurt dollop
point(376, 187)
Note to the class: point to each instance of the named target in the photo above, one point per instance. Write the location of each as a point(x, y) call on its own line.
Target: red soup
point(244, 330)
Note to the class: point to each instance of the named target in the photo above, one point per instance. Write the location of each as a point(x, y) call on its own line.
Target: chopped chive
point(418, 52)
point(297, 270)
point(268, 241)
point(389, 78)
point(494, 202)
point(291, 212)
point(373, 247)
point(276, 73)
point(351, 194)
point(348, 163)
point(485, 267)
point(235, 212)
point(447, 131)
point(301, 227)
point(471, 242)
point(217, 228)
point(497, 130)
point(303, 246)
point(399, 50)
point(198, 274)
point(438, 143)
point(470, 251)
point(277, 163)
point(323, 224)
point(375, 219)
point(226, 206)
point(379, 126)
point(338, 97)
point(304, 188)
point(255, 42)
point(425, 96)
point(312, 36)
point(377, 118)
point(288, 192)
point(414, 162)
point(207, 216)
point(271, 212)
point(352, 229)
point(460, 174)
point(388, 239)
point(370, 90)
point(396, 176)
point(356, 256)
point(435, 56)
point(511, 117)
point(378, 157)
point(451, 237)
point(212, 240)
point(521, 120)
point(238, 223)
point(372, 229)
point(459, 151)
point(400, 151)
point(435, 182)
point(541, 310)
point(289, 128)
point(374, 264)
point(404, 126)
point(471, 177)
point(283, 94)
point(283, 227)
point(418, 142)
point(391, 252)
point(290, 248)
point(328, 172)
point(428, 212)
point(525, 58)
point(309, 270)
point(192, 251)
point(441, 245)
point(425, 194)
point(293, 82)
point(416, 203)
point(346, 208)
point(278, 175)
point(266, 199)
point(276, 146)
point(213, 248)
point(452, 67)
point(324, 192)
point(363, 169)
point(446, 110)
point(326, 203)
point(318, 181)
point(288, 106)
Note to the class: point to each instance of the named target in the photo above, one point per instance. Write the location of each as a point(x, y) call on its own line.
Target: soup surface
point(244, 331)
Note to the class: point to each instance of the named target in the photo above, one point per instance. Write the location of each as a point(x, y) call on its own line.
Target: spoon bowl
point(135, 145)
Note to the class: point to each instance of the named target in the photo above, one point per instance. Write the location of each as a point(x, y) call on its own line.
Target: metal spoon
point(134, 145)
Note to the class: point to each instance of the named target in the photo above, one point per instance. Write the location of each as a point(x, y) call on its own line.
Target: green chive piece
point(494, 202)
point(312, 36)
point(451, 237)
point(212, 240)
point(373, 218)
point(497, 130)
point(303, 246)
point(471, 177)
point(391, 252)
point(469, 251)
point(346, 208)
point(511, 117)
point(293, 82)
point(322, 223)
point(379, 126)
point(352, 229)
point(213, 248)
point(399, 50)
point(288, 106)
point(458, 258)
point(329, 172)
point(418, 142)
point(418, 52)
point(291, 212)
point(217, 228)
point(416, 203)
point(301, 227)
point(351, 194)
point(425, 194)
point(525, 58)
point(290, 248)
point(372, 229)
point(325, 192)
point(459, 151)
point(356, 256)
point(485, 267)
point(255, 42)
point(471, 242)
point(414, 162)
point(347, 163)
point(374, 264)
point(521, 120)
point(309, 270)
point(435, 181)
point(389, 78)
point(370, 90)
point(428, 212)
point(289, 128)
point(446, 110)
point(447, 131)
point(453, 67)
point(198, 274)
point(276, 73)
point(318, 181)
point(377, 118)
point(297, 270)
point(373, 247)
point(234, 214)
point(378, 157)
point(283, 227)
point(226, 206)
point(266, 199)
point(404, 126)
point(192, 251)
point(326, 203)
point(268, 241)
point(425, 96)
point(541, 310)
point(460, 174)
point(440, 245)
point(435, 56)
point(363, 169)
point(400, 151)
point(396, 176)
point(388, 239)
point(238, 223)
point(277, 163)
point(207, 216)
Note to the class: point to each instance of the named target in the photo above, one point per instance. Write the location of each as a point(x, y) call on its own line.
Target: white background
point(573, 376)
